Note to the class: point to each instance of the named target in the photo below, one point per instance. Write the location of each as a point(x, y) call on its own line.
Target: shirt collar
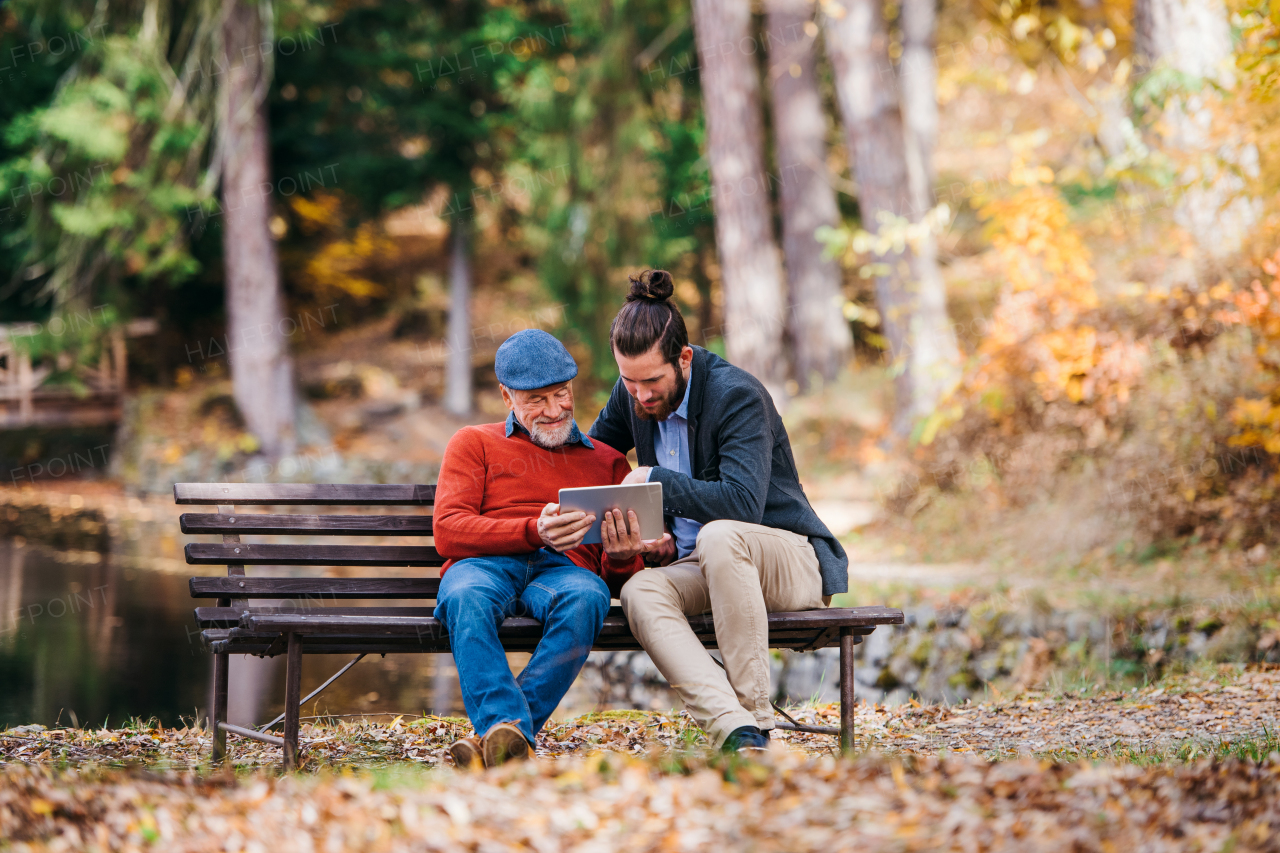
point(683, 410)
point(575, 434)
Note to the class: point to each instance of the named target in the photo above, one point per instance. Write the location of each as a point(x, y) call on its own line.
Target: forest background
point(1010, 270)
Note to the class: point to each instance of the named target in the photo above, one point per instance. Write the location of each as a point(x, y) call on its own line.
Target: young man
point(513, 553)
point(746, 540)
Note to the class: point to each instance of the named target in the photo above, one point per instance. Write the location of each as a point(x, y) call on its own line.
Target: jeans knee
point(459, 606)
point(590, 599)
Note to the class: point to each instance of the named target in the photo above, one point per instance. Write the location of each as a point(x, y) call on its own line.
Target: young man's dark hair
point(648, 317)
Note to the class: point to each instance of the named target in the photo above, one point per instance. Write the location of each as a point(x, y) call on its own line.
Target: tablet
point(644, 498)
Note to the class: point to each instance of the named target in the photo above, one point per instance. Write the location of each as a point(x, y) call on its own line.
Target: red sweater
point(492, 489)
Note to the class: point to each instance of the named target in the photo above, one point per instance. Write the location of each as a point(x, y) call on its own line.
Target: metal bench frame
point(236, 626)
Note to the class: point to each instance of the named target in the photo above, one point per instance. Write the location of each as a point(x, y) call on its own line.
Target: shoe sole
point(503, 746)
point(465, 756)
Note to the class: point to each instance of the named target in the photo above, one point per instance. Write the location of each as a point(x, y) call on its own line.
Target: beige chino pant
point(739, 572)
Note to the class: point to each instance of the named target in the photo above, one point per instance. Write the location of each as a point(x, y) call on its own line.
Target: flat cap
point(533, 359)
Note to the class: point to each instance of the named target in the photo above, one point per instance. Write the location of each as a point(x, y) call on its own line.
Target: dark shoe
point(504, 742)
point(467, 754)
point(746, 739)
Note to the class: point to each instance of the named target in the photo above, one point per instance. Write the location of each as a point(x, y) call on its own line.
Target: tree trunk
point(457, 378)
point(1193, 37)
point(261, 368)
point(819, 334)
point(937, 355)
point(750, 272)
point(920, 87)
point(893, 188)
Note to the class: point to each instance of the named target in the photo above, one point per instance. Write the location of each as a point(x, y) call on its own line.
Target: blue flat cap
point(533, 359)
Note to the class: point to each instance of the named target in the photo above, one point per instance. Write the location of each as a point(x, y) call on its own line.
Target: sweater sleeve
point(460, 529)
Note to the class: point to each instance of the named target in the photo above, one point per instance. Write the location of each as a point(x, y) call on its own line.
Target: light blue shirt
point(671, 444)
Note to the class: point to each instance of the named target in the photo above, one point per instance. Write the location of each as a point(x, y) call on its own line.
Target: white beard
point(551, 437)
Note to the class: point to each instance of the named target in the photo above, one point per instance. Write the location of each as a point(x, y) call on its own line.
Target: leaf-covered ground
point(1179, 718)
point(1190, 764)
point(609, 802)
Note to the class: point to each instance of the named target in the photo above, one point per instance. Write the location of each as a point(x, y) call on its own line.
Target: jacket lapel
point(698, 383)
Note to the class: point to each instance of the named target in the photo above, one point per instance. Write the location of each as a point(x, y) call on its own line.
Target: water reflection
point(84, 642)
point(87, 638)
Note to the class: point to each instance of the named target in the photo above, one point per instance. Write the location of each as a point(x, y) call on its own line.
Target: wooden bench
point(248, 618)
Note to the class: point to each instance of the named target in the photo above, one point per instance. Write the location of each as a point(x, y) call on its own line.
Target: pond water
point(90, 638)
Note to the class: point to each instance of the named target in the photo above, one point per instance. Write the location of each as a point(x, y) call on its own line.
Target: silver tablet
point(644, 498)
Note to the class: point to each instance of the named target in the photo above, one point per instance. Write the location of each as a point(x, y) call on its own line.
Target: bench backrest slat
point(307, 525)
point(302, 494)
point(250, 554)
point(313, 588)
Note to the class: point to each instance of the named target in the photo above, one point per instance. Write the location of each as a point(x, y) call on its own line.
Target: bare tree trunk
point(893, 188)
point(261, 368)
point(457, 378)
point(1193, 37)
point(919, 21)
point(936, 362)
point(750, 272)
point(819, 334)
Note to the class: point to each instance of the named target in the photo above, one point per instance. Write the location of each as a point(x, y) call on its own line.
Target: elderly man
point(513, 553)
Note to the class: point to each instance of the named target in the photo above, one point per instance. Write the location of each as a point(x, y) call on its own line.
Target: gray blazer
point(741, 457)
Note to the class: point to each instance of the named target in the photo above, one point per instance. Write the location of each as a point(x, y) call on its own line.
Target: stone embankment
point(946, 654)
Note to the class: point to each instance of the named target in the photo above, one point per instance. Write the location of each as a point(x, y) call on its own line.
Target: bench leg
point(292, 701)
point(221, 664)
point(847, 700)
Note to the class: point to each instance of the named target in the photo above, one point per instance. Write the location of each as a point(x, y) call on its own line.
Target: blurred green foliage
point(609, 146)
point(577, 123)
point(103, 170)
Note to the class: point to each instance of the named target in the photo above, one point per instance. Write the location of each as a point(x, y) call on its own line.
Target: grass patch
point(1256, 747)
point(613, 716)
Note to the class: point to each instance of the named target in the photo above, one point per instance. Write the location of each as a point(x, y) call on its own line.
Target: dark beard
point(668, 406)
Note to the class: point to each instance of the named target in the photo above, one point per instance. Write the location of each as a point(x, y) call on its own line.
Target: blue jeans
point(476, 594)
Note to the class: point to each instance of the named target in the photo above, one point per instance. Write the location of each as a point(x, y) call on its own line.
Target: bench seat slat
point(315, 622)
point(233, 617)
point(247, 554)
point(229, 617)
point(314, 525)
point(304, 494)
point(259, 644)
point(615, 633)
point(323, 589)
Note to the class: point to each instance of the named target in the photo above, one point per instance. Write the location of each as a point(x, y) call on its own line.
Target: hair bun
point(651, 286)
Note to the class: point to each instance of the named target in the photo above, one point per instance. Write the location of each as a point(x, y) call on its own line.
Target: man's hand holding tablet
point(621, 536)
point(563, 531)
point(626, 513)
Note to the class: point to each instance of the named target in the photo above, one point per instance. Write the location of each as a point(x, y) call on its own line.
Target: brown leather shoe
point(467, 753)
point(504, 742)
